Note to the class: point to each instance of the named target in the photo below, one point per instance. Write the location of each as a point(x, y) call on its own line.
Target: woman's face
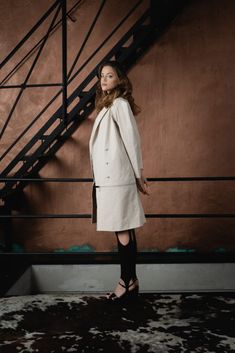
point(108, 78)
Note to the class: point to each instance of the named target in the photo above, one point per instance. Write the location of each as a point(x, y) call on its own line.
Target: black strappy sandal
point(127, 295)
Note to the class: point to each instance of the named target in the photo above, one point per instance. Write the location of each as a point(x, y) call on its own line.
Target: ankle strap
point(124, 286)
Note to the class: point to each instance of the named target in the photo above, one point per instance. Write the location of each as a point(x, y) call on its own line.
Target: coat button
point(108, 177)
point(107, 163)
point(106, 149)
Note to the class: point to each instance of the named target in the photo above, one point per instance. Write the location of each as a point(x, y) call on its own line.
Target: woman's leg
point(127, 248)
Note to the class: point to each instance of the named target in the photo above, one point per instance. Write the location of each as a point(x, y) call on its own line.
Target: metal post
point(64, 60)
point(7, 229)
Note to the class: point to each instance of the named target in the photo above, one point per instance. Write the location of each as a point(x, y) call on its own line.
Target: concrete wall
point(185, 87)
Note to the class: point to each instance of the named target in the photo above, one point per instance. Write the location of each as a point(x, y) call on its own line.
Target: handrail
point(86, 38)
point(150, 215)
point(33, 29)
point(106, 39)
point(70, 80)
point(147, 215)
point(31, 85)
point(38, 180)
point(7, 217)
point(29, 73)
point(64, 65)
point(65, 77)
point(32, 50)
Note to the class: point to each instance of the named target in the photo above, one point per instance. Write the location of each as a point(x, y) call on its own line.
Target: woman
point(117, 167)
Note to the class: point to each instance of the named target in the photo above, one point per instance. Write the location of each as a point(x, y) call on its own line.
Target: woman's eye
point(109, 76)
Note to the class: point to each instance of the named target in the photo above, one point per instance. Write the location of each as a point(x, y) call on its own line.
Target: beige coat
point(116, 160)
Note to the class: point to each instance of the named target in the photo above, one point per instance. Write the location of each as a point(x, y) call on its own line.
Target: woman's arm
point(125, 120)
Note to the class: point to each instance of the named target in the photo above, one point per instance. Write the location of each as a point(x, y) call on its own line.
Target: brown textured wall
point(185, 86)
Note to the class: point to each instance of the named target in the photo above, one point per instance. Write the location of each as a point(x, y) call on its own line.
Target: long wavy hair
point(123, 89)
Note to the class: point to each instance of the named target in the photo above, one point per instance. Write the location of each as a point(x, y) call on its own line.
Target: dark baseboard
point(13, 259)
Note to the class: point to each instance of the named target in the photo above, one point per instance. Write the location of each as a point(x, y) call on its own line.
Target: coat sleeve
point(126, 122)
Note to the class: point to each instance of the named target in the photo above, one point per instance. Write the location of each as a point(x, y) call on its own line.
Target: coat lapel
point(96, 124)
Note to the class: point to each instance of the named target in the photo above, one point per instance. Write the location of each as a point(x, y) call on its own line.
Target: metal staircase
point(25, 166)
point(61, 125)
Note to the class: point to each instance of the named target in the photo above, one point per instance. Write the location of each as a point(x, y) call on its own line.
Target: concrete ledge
point(204, 277)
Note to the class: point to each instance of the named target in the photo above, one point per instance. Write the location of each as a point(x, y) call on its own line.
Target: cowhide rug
point(182, 323)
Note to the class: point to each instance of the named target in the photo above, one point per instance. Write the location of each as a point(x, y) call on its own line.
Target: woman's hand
point(142, 184)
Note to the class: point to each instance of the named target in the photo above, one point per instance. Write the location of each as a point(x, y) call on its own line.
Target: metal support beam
point(64, 60)
point(7, 228)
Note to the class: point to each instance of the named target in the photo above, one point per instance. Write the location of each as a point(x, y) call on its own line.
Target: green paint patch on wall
point(17, 248)
point(151, 250)
point(177, 250)
point(76, 248)
point(220, 250)
point(87, 249)
point(114, 249)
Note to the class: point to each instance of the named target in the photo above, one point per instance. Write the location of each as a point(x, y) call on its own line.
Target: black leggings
point(127, 254)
